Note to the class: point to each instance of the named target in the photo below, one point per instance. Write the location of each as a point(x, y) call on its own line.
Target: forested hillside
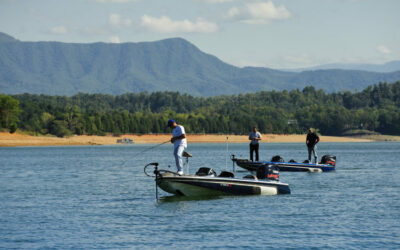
point(376, 108)
point(55, 68)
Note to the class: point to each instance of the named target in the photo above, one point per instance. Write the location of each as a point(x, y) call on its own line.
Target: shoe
point(180, 172)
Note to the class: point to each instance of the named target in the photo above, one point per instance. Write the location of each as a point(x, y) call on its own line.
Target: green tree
point(59, 128)
point(9, 112)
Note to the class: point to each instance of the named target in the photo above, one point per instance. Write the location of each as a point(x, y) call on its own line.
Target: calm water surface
point(98, 197)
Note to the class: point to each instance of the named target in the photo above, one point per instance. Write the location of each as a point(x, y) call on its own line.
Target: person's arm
point(173, 139)
point(181, 134)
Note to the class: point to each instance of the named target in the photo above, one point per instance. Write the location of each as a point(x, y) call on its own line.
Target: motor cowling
point(268, 171)
point(328, 159)
point(206, 172)
point(277, 158)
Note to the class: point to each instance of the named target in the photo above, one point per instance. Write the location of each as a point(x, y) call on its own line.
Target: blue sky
point(266, 33)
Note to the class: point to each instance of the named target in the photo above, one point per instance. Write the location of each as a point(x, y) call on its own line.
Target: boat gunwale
point(223, 180)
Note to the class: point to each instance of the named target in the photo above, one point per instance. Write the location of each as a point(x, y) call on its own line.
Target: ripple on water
point(99, 197)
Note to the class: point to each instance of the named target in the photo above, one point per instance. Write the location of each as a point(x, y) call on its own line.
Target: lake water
point(98, 197)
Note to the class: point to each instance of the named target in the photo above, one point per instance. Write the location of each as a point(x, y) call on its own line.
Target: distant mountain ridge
point(174, 64)
point(388, 67)
point(7, 38)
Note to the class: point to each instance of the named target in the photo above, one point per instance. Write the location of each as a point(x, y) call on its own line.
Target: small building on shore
point(125, 141)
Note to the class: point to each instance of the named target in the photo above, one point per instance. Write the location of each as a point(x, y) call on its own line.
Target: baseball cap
point(170, 122)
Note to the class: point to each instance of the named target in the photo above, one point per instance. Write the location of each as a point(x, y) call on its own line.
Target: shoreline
point(20, 140)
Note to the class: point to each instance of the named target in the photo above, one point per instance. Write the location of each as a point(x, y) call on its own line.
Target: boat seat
point(253, 177)
point(226, 174)
point(186, 154)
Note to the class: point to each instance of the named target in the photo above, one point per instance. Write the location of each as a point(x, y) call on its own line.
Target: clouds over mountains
point(258, 13)
point(165, 24)
point(224, 11)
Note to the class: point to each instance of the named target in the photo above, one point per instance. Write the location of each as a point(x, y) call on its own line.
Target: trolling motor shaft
point(156, 173)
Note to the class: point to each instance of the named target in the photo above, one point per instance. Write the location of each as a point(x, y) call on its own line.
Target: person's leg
point(251, 152)
point(176, 158)
point(178, 151)
point(315, 153)
point(309, 153)
point(256, 149)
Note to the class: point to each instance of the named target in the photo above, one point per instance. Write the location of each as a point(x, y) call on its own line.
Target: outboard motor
point(206, 172)
point(277, 158)
point(268, 171)
point(328, 159)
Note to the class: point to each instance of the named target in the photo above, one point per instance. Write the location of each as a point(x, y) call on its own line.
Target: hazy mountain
point(173, 64)
point(7, 38)
point(383, 68)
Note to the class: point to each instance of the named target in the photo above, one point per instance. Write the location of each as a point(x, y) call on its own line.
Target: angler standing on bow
point(180, 144)
point(255, 137)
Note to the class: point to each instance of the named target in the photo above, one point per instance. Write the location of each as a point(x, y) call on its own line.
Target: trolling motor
point(159, 172)
point(156, 173)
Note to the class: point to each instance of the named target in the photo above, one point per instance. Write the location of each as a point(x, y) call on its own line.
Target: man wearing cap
point(179, 141)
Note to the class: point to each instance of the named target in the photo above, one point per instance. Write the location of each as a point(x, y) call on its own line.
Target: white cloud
point(59, 30)
point(164, 24)
point(383, 49)
point(259, 13)
point(117, 21)
point(116, 1)
point(115, 39)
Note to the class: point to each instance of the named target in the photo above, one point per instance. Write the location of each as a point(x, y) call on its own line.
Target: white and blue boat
point(328, 163)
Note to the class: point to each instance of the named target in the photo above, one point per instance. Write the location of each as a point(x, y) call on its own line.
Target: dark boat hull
point(191, 185)
point(285, 166)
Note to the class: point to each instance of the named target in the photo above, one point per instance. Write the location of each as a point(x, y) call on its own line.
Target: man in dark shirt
point(311, 141)
point(255, 138)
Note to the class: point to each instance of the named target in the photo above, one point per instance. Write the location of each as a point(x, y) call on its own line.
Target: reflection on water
point(178, 198)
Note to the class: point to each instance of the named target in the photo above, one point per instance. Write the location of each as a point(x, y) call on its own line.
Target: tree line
point(376, 108)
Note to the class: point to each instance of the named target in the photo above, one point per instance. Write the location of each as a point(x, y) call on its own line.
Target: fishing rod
point(147, 149)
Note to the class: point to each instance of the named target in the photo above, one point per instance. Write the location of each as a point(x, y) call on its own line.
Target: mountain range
point(383, 68)
point(174, 64)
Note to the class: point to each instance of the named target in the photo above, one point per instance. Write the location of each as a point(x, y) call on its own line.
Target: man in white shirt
point(255, 137)
point(179, 141)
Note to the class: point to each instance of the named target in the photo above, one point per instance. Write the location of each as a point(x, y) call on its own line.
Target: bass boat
point(328, 163)
point(207, 183)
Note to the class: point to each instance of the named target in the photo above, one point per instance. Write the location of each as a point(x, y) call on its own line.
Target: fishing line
point(148, 149)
